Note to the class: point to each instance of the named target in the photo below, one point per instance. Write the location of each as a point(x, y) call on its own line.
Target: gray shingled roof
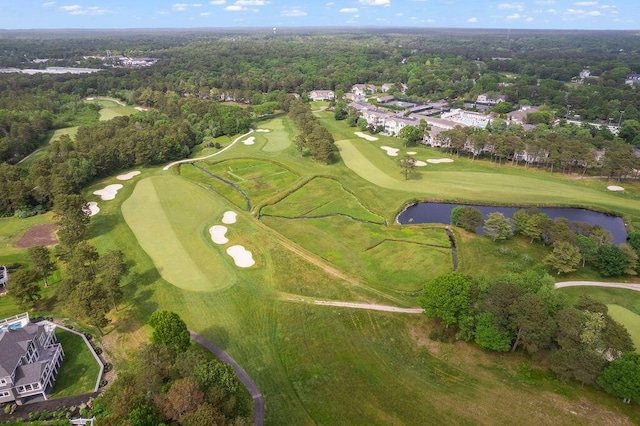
point(13, 345)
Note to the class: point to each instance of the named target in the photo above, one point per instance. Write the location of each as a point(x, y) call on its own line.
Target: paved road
point(635, 287)
point(258, 399)
point(191, 160)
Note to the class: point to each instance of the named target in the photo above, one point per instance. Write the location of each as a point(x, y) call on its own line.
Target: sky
point(525, 14)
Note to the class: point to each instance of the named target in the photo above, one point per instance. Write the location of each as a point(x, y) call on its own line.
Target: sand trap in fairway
point(217, 234)
point(419, 163)
point(139, 108)
point(90, 99)
point(365, 136)
point(615, 188)
point(411, 153)
point(439, 160)
point(241, 256)
point(229, 217)
point(263, 130)
point(128, 176)
point(391, 152)
point(249, 141)
point(108, 192)
point(92, 208)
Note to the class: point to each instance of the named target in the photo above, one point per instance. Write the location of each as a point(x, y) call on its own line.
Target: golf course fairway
point(168, 215)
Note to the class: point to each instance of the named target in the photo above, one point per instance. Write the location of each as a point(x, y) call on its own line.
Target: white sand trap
point(241, 256)
point(139, 108)
point(108, 192)
point(411, 153)
point(263, 130)
point(365, 136)
point(439, 160)
point(615, 188)
point(391, 152)
point(229, 217)
point(128, 176)
point(92, 208)
point(90, 99)
point(217, 234)
point(249, 141)
point(419, 163)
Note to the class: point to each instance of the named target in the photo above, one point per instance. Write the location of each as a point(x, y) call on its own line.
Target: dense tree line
point(172, 382)
point(313, 138)
point(522, 311)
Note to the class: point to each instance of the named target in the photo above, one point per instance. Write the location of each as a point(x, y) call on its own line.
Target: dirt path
point(367, 306)
point(634, 287)
point(258, 399)
point(192, 160)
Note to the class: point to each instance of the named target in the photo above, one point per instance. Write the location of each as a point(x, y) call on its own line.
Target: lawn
point(629, 319)
point(279, 136)
point(79, 370)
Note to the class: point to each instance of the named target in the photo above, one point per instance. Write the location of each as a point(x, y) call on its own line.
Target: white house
point(4, 277)
point(363, 89)
point(633, 79)
point(30, 359)
point(322, 95)
point(488, 100)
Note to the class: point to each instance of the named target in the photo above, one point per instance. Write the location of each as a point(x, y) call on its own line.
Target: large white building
point(30, 359)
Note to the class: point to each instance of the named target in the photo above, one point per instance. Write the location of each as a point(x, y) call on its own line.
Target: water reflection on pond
point(427, 212)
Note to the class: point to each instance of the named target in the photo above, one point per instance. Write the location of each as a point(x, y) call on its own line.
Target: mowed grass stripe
point(167, 214)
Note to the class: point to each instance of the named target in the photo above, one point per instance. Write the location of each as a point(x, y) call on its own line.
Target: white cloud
point(348, 10)
point(197, 5)
point(234, 8)
point(179, 7)
point(75, 9)
point(70, 8)
point(545, 2)
point(594, 13)
point(472, 20)
point(511, 6)
point(249, 3)
point(49, 4)
point(585, 3)
point(376, 2)
point(514, 16)
point(529, 19)
point(205, 13)
point(216, 2)
point(572, 14)
point(293, 12)
point(162, 12)
point(330, 4)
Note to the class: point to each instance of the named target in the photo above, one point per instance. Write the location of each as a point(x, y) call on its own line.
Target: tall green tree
point(40, 257)
point(407, 165)
point(410, 135)
point(610, 261)
point(622, 378)
point(447, 298)
point(564, 258)
point(23, 285)
point(497, 226)
point(170, 330)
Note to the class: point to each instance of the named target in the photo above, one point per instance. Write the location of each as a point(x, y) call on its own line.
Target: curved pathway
point(258, 399)
point(192, 160)
point(634, 287)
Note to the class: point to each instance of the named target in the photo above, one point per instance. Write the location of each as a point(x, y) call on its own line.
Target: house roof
point(13, 345)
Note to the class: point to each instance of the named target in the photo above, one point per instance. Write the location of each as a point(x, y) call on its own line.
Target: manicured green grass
point(111, 108)
point(79, 370)
point(169, 217)
point(629, 319)
point(278, 138)
point(11, 230)
point(320, 197)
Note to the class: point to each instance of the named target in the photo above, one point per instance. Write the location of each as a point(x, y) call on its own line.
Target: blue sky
point(543, 14)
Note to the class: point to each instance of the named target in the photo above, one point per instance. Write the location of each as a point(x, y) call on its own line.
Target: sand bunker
point(439, 160)
point(411, 153)
point(615, 188)
point(90, 99)
point(242, 257)
point(419, 163)
point(128, 176)
point(108, 192)
point(217, 234)
point(92, 208)
point(139, 108)
point(263, 130)
point(249, 141)
point(392, 152)
point(229, 217)
point(365, 136)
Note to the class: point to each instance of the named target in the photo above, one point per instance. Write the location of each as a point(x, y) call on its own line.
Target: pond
point(441, 213)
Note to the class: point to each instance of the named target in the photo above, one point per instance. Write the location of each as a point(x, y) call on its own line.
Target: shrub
point(108, 367)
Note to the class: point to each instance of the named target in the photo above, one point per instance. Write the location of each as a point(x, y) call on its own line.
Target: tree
point(407, 165)
point(170, 330)
point(411, 135)
point(447, 298)
point(23, 285)
point(588, 248)
point(533, 226)
point(72, 218)
point(40, 256)
point(622, 377)
point(488, 336)
point(610, 260)
point(89, 300)
point(497, 226)
point(183, 398)
point(470, 219)
point(532, 323)
point(564, 258)
point(111, 268)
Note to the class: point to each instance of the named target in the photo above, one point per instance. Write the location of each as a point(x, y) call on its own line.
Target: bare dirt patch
point(38, 235)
